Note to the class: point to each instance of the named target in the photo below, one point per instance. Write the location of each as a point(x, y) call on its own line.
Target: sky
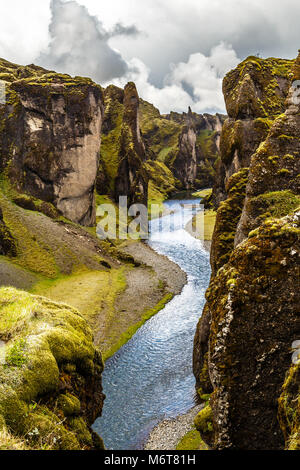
point(176, 51)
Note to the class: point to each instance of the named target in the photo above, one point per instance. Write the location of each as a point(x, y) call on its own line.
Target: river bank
point(168, 433)
point(118, 301)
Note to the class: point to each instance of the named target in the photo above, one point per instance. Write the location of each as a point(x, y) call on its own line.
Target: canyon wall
point(122, 170)
point(50, 137)
point(242, 352)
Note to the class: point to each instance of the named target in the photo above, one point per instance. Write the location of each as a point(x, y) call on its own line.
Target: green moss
point(49, 335)
point(79, 427)
point(16, 355)
point(228, 216)
point(205, 223)
point(191, 441)
point(161, 183)
point(289, 409)
point(266, 74)
point(203, 423)
point(93, 293)
point(276, 203)
point(69, 404)
point(204, 193)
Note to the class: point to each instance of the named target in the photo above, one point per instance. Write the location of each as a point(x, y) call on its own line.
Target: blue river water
point(150, 378)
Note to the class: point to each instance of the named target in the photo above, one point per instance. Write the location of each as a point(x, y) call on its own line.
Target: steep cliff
point(122, 171)
point(243, 340)
point(187, 143)
point(50, 137)
point(255, 94)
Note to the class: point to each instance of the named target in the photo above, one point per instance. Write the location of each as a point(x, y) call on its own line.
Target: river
point(150, 378)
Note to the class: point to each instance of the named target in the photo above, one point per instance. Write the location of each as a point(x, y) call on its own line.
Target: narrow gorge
point(100, 337)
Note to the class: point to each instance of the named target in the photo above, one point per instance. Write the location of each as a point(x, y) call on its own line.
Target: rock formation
point(50, 137)
point(255, 94)
point(50, 375)
point(251, 318)
point(188, 144)
point(122, 171)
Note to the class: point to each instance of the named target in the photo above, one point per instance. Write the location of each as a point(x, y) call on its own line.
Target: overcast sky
point(177, 51)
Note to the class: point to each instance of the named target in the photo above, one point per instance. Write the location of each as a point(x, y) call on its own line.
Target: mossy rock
point(69, 404)
point(203, 424)
point(289, 409)
point(52, 335)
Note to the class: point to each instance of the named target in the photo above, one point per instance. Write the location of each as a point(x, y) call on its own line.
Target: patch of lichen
point(289, 409)
point(56, 339)
point(227, 219)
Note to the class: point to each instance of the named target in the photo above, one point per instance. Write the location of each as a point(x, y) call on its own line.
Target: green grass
point(208, 219)
point(87, 291)
point(203, 193)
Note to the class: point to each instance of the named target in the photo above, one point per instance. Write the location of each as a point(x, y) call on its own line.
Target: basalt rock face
point(188, 144)
point(50, 138)
point(251, 318)
point(122, 171)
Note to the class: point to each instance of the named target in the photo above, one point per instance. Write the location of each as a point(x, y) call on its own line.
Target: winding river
point(150, 378)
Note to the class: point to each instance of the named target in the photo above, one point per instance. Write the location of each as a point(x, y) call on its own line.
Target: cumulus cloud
point(196, 83)
point(79, 43)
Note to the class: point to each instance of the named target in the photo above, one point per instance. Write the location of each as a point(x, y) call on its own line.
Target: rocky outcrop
point(50, 374)
point(255, 93)
point(251, 318)
point(185, 164)
point(122, 171)
point(50, 137)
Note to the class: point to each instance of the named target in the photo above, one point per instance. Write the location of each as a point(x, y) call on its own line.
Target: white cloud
point(79, 43)
point(196, 83)
point(95, 42)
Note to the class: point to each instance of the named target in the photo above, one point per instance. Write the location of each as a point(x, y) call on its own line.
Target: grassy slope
point(68, 264)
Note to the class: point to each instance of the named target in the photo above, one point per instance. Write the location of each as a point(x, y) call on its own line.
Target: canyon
point(68, 299)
